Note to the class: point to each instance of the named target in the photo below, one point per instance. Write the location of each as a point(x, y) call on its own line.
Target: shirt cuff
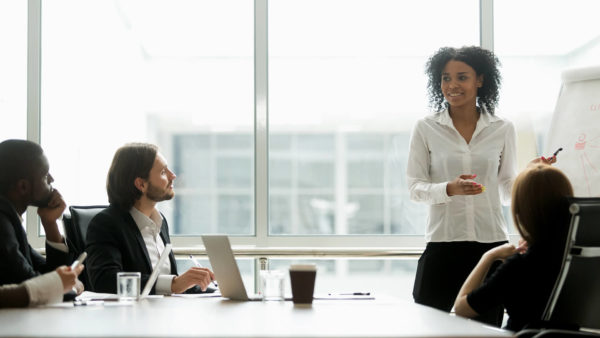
point(59, 246)
point(45, 289)
point(163, 284)
point(440, 194)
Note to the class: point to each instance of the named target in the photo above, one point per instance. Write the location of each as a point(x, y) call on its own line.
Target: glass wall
point(379, 276)
point(175, 73)
point(13, 69)
point(343, 99)
point(534, 50)
point(346, 84)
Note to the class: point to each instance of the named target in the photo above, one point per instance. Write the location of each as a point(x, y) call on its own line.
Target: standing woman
point(462, 163)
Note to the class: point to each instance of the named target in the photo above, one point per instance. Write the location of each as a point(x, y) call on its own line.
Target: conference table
point(219, 317)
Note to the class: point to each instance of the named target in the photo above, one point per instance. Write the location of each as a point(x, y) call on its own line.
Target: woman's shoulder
point(499, 120)
point(534, 257)
point(433, 118)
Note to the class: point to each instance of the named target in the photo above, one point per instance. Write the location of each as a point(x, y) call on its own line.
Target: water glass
point(272, 284)
point(128, 285)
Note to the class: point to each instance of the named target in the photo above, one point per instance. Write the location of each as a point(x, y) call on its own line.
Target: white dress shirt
point(150, 229)
point(45, 289)
point(439, 154)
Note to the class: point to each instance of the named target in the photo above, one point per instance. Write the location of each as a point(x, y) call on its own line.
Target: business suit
point(115, 244)
point(18, 260)
point(13, 295)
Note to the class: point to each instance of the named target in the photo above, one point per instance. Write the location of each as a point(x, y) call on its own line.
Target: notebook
point(226, 269)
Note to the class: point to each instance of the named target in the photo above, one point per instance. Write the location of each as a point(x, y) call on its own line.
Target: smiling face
point(459, 84)
point(160, 181)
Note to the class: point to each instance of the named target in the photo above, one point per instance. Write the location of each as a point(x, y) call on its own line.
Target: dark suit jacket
point(13, 295)
point(18, 260)
point(114, 244)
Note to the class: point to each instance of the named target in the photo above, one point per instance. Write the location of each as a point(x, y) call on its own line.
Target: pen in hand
point(198, 265)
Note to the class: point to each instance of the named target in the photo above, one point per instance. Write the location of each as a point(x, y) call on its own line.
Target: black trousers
point(442, 270)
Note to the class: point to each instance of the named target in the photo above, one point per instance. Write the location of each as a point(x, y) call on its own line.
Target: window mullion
point(34, 42)
point(261, 131)
point(486, 24)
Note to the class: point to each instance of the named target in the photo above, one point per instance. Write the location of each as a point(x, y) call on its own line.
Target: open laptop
point(225, 268)
point(155, 271)
point(88, 297)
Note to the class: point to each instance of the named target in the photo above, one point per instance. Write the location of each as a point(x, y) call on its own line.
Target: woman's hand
point(543, 160)
point(463, 185)
point(523, 245)
point(504, 251)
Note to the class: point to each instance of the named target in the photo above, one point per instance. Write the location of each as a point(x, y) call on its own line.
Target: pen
point(79, 260)
point(87, 302)
point(353, 294)
point(198, 265)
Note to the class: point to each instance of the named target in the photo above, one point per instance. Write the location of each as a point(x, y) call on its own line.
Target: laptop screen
point(163, 256)
point(225, 267)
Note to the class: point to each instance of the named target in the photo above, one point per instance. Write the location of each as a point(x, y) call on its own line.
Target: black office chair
point(575, 300)
point(76, 224)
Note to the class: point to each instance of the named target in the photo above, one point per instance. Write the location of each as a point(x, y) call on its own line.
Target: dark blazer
point(114, 244)
point(18, 260)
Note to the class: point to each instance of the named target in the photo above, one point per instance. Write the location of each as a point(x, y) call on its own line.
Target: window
point(346, 84)
point(343, 99)
point(534, 50)
point(13, 69)
point(389, 276)
point(175, 73)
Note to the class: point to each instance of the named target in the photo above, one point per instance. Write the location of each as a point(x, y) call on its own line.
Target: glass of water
point(272, 284)
point(128, 285)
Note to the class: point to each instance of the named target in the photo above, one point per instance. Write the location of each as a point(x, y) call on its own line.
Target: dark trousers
point(442, 270)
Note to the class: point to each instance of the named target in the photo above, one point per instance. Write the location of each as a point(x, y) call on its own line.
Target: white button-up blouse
point(438, 154)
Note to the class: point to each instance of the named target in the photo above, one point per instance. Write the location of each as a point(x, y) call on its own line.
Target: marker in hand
point(557, 151)
point(552, 159)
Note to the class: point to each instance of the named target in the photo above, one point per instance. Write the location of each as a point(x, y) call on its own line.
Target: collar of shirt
point(154, 222)
point(485, 119)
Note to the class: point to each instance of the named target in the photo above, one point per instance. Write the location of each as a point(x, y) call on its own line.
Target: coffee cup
point(302, 277)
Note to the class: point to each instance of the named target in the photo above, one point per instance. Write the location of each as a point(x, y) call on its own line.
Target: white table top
point(217, 317)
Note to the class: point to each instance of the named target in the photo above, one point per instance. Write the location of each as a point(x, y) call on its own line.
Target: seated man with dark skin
point(25, 181)
point(131, 233)
point(44, 289)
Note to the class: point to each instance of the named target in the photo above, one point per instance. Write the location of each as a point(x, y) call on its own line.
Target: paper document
point(197, 295)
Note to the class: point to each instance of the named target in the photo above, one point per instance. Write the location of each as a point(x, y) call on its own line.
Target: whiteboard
point(576, 128)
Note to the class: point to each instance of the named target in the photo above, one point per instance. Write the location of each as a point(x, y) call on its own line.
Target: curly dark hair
point(481, 60)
